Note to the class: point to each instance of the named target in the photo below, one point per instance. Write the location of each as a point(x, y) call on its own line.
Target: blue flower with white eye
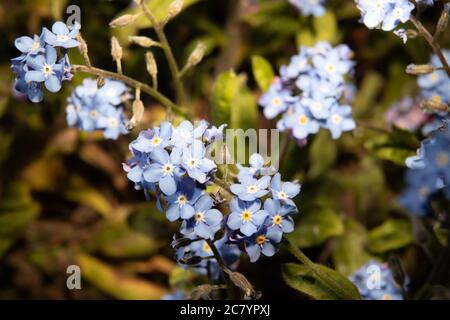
point(299, 64)
point(246, 216)
point(194, 162)
point(165, 169)
point(111, 92)
point(185, 133)
point(30, 46)
point(375, 281)
point(275, 100)
point(61, 36)
point(265, 241)
point(89, 112)
point(310, 7)
point(205, 222)
point(158, 137)
point(181, 203)
point(214, 134)
point(250, 189)
point(45, 69)
point(332, 66)
point(319, 107)
point(302, 123)
point(256, 167)
point(284, 191)
point(112, 122)
point(279, 219)
point(437, 154)
point(384, 14)
point(340, 120)
point(316, 87)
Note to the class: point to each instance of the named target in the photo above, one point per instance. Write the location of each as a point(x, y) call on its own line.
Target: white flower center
point(192, 163)
point(62, 37)
point(113, 122)
point(303, 120)
point(282, 195)
point(36, 45)
point(93, 114)
point(336, 119)
point(168, 169)
point(199, 216)
point(156, 141)
point(398, 12)
point(181, 200)
point(317, 106)
point(331, 68)
point(47, 69)
point(276, 101)
point(252, 189)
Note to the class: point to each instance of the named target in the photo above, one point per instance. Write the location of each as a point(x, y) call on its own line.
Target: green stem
point(133, 83)
point(312, 266)
point(159, 29)
point(432, 42)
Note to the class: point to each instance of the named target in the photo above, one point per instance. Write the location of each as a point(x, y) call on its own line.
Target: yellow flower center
point(168, 168)
point(277, 219)
point(282, 195)
point(331, 68)
point(199, 216)
point(47, 69)
point(156, 141)
point(62, 37)
point(387, 297)
point(337, 119)
point(261, 239)
point(247, 215)
point(442, 159)
point(276, 101)
point(93, 114)
point(113, 122)
point(303, 120)
point(35, 46)
point(434, 77)
point(206, 248)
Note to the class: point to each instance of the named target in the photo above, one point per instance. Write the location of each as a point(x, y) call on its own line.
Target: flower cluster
point(310, 7)
point(39, 64)
point(91, 108)
point(384, 14)
point(259, 224)
point(375, 281)
point(310, 91)
point(437, 83)
point(429, 173)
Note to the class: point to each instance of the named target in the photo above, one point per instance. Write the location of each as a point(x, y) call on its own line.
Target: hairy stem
point(312, 266)
point(223, 267)
point(159, 29)
point(133, 83)
point(432, 42)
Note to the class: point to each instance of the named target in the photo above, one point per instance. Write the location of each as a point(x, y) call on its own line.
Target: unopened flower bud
point(181, 242)
point(142, 41)
point(150, 62)
point(418, 69)
point(138, 112)
point(174, 9)
point(434, 104)
point(443, 19)
point(122, 21)
point(100, 82)
point(116, 49)
point(197, 55)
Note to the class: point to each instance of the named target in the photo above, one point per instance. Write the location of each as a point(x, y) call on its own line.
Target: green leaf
point(224, 92)
point(263, 72)
point(367, 93)
point(117, 240)
point(349, 254)
point(391, 235)
point(115, 284)
point(89, 197)
point(326, 27)
point(322, 154)
point(395, 146)
point(303, 279)
point(315, 227)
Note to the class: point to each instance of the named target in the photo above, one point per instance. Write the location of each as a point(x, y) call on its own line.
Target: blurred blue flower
point(310, 7)
point(112, 122)
point(275, 100)
point(246, 216)
point(340, 120)
point(30, 46)
point(384, 14)
point(302, 123)
point(375, 281)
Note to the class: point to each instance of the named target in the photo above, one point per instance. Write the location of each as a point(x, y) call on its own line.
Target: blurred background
point(65, 199)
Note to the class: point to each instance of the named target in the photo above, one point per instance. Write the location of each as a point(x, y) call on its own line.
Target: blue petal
point(234, 221)
point(248, 229)
point(36, 76)
point(52, 83)
point(168, 185)
point(213, 217)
